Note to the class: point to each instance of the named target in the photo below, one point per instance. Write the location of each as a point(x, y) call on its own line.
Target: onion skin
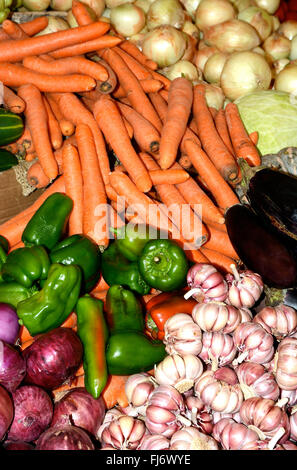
point(280, 321)
point(33, 412)
point(77, 407)
point(253, 340)
point(17, 445)
point(6, 411)
point(53, 358)
point(12, 367)
point(257, 381)
point(286, 365)
point(64, 438)
point(9, 324)
point(232, 36)
point(232, 435)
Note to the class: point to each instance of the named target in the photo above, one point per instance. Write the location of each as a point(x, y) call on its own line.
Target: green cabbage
point(274, 115)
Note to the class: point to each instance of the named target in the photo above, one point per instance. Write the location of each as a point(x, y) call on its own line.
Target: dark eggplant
point(260, 249)
point(273, 195)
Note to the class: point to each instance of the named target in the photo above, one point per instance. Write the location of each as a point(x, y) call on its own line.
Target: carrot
point(193, 126)
point(18, 245)
point(24, 143)
point(165, 93)
point(220, 261)
point(254, 136)
point(16, 50)
point(222, 128)
point(212, 224)
point(132, 87)
point(158, 76)
point(13, 30)
point(221, 191)
point(133, 64)
point(133, 50)
point(107, 86)
point(29, 27)
point(110, 122)
point(101, 285)
point(36, 176)
point(210, 139)
point(27, 344)
point(67, 127)
point(100, 42)
point(95, 216)
point(36, 116)
point(220, 241)
point(74, 187)
point(73, 109)
point(81, 13)
point(114, 391)
point(145, 134)
point(172, 176)
point(13, 102)
point(159, 104)
point(213, 111)
point(15, 75)
point(53, 127)
point(25, 335)
point(196, 256)
point(185, 162)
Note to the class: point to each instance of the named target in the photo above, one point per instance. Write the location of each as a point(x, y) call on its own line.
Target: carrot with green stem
point(13, 102)
point(109, 119)
point(95, 213)
point(219, 188)
point(55, 133)
point(222, 128)
point(210, 139)
point(133, 50)
point(86, 47)
point(36, 117)
point(74, 187)
point(242, 144)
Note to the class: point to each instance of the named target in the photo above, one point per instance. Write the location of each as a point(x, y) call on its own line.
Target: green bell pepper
point(116, 269)
point(131, 239)
point(12, 293)
point(4, 247)
point(4, 243)
point(26, 265)
point(163, 265)
point(82, 251)
point(49, 221)
point(49, 308)
point(123, 310)
point(93, 333)
point(131, 352)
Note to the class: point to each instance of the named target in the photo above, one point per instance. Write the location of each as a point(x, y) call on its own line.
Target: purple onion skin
point(17, 445)
point(9, 324)
point(77, 407)
point(53, 358)
point(64, 438)
point(12, 367)
point(33, 412)
point(6, 411)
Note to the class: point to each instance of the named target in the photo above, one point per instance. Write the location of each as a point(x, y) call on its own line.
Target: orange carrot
point(24, 143)
point(18, 245)
point(25, 335)
point(158, 76)
point(179, 107)
point(85, 47)
point(145, 134)
point(222, 128)
point(15, 75)
point(26, 344)
point(254, 136)
point(210, 139)
point(108, 85)
point(110, 122)
point(13, 30)
point(159, 104)
point(67, 127)
point(133, 50)
point(37, 122)
point(114, 391)
point(100, 294)
point(220, 241)
point(220, 261)
point(213, 111)
point(80, 13)
point(29, 27)
point(95, 215)
point(53, 127)
point(74, 187)
point(36, 176)
point(221, 191)
point(172, 176)
point(212, 224)
point(13, 102)
point(196, 256)
point(16, 50)
point(133, 64)
point(101, 285)
point(185, 162)
point(132, 87)
point(31, 156)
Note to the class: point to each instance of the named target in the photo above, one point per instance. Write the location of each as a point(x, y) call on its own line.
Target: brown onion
point(232, 435)
point(245, 288)
point(280, 321)
point(206, 283)
point(288, 29)
point(277, 47)
point(232, 36)
point(216, 317)
point(123, 433)
point(182, 335)
point(218, 349)
point(6, 411)
point(255, 344)
point(202, 56)
point(286, 365)
point(64, 438)
point(190, 438)
point(255, 381)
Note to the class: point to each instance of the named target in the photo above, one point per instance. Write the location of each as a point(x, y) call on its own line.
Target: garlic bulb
point(179, 371)
point(182, 335)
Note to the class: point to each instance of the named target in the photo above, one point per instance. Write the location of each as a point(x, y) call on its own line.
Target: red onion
point(33, 412)
point(64, 438)
point(77, 407)
point(12, 367)
point(9, 324)
point(255, 381)
point(293, 424)
point(206, 283)
point(122, 433)
point(232, 435)
point(154, 442)
point(286, 364)
point(197, 412)
point(53, 358)
point(218, 349)
point(17, 445)
point(6, 411)
point(216, 317)
point(163, 414)
point(254, 342)
point(245, 288)
point(280, 321)
point(266, 418)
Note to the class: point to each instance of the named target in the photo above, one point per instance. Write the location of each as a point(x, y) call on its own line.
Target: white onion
point(293, 51)
point(214, 66)
point(275, 23)
point(54, 24)
point(202, 56)
point(139, 37)
point(115, 3)
point(280, 64)
point(165, 12)
point(144, 4)
point(191, 6)
point(98, 6)
point(259, 19)
point(36, 5)
point(277, 47)
point(269, 5)
point(191, 29)
point(242, 4)
point(214, 96)
point(232, 36)
point(288, 29)
point(286, 80)
point(212, 12)
point(259, 50)
point(127, 19)
point(71, 20)
point(106, 13)
point(61, 5)
point(164, 45)
point(243, 73)
point(182, 68)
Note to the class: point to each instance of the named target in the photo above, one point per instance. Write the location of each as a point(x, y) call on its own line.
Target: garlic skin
point(197, 412)
point(138, 389)
point(218, 349)
point(286, 364)
point(182, 335)
point(190, 438)
point(206, 283)
point(179, 371)
point(255, 381)
point(123, 433)
point(216, 317)
point(245, 288)
point(234, 436)
point(154, 442)
point(254, 343)
point(280, 321)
